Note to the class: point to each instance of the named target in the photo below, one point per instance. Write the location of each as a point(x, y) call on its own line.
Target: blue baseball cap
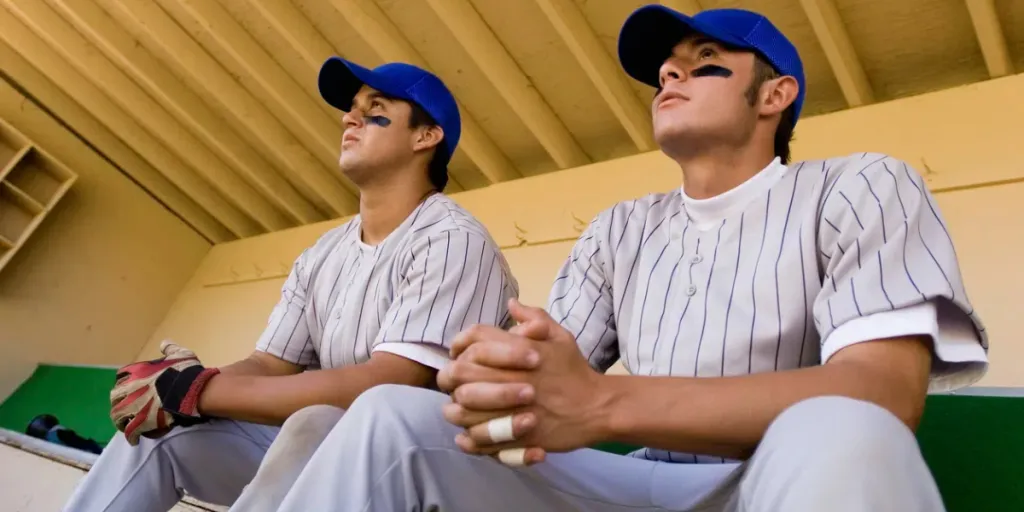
point(340, 80)
point(651, 32)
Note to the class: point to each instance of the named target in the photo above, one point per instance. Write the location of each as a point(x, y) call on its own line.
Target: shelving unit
point(31, 184)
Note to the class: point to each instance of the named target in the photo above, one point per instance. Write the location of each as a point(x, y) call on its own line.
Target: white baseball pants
point(222, 462)
point(393, 451)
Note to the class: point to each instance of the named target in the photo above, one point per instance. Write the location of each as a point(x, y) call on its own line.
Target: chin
point(348, 162)
point(666, 134)
point(351, 168)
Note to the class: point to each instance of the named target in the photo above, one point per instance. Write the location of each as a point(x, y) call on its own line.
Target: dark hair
point(437, 170)
point(763, 72)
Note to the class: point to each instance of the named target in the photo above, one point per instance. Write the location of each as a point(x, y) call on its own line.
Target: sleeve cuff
point(434, 356)
point(958, 360)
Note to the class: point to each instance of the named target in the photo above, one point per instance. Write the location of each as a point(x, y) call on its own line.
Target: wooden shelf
point(40, 177)
point(13, 162)
point(31, 184)
point(16, 214)
point(12, 144)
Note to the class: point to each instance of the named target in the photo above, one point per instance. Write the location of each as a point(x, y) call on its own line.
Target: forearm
point(270, 400)
point(728, 416)
point(248, 366)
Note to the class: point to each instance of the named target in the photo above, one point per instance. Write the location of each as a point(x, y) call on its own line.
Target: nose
point(670, 71)
point(352, 119)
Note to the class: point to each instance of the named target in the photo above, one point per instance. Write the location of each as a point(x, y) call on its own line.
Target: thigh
point(297, 441)
point(625, 481)
point(394, 450)
point(214, 461)
point(211, 461)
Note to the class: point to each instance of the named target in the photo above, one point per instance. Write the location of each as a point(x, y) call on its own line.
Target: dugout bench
point(973, 441)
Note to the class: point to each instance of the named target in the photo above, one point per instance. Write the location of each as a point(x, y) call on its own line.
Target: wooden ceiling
point(211, 105)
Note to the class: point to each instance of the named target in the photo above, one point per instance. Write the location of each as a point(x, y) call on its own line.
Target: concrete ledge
point(83, 461)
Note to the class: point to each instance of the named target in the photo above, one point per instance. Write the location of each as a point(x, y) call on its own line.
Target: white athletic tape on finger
point(513, 457)
point(500, 429)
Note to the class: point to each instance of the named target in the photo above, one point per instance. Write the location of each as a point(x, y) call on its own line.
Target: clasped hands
point(533, 373)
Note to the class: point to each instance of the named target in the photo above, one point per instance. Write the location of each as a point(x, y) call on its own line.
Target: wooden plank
point(81, 55)
point(14, 161)
point(688, 7)
point(168, 90)
point(602, 70)
point(512, 85)
point(78, 120)
point(990, 37)
point(835, 41)
point(278, 91)
point(162, 35)
point(58, 71)
point(23, 198)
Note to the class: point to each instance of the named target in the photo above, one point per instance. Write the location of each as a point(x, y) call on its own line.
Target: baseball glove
point(151, 397)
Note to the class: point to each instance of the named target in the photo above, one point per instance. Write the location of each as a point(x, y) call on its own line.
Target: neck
point(716, 170)
point(383, 208)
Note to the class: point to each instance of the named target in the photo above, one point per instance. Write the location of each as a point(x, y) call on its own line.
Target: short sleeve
point(287, 335)
point(581, 298)
point(454, 280)
point(890, 269)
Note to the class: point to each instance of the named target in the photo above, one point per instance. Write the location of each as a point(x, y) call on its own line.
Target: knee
point(396, 404)
point(839, 430)
point(311, 422)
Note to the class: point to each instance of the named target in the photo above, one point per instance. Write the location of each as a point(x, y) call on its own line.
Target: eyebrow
point(369, 98)
point(698, 42)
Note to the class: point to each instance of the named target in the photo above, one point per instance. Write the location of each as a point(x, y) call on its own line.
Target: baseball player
point(781, 324)
point(375, 300)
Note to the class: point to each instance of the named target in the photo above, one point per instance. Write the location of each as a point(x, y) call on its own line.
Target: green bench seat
point(974, 444)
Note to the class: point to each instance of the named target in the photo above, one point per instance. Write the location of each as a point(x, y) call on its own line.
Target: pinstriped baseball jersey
point(437, 273)
point(778, 273)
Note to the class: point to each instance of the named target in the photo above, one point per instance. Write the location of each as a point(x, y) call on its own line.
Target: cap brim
point(339, 81)
point(651, 32)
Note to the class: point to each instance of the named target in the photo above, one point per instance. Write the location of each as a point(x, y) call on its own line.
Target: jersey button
point(690, 290)
point(697, 259)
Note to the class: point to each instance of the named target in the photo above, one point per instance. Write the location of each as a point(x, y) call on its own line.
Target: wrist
point(608, 396)
point(207, 400)
point(180, 390)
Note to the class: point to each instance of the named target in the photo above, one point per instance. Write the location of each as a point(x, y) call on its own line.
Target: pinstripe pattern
point(787, 261)
point(436, 274)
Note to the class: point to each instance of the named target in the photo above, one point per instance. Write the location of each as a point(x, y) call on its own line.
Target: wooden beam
point(253, 16)
point(263, 77)
point(71, 113)
point(832, 36)
point(688, 7)
point(163, 36)
point(990, 37)
point(60, 72)
point(603, 71)
point(134, 60)
point(500, 68)
point(78, 52)
point(384, 37)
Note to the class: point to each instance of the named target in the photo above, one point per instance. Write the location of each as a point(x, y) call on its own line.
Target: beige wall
point(101, 271)
point(969, 137)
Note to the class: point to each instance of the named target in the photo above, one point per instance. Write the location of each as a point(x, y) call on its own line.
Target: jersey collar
point(706, 213)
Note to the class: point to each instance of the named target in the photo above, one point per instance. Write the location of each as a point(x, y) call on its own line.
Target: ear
point(427, 137)
point(777, 95)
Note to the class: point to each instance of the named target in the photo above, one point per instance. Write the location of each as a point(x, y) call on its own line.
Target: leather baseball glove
point(151, 397)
